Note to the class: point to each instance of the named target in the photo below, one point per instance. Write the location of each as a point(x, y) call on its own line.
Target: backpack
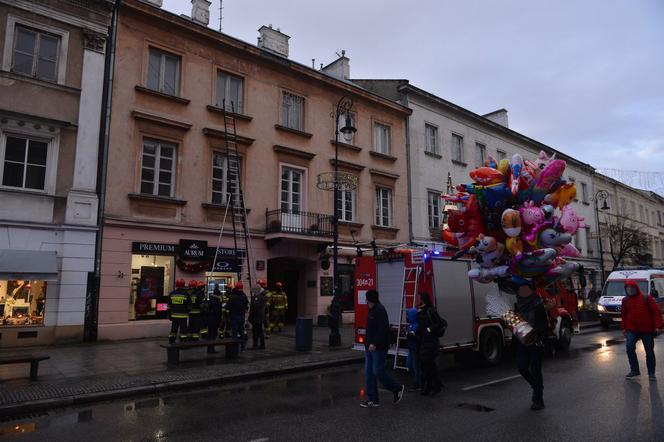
point(438, 325)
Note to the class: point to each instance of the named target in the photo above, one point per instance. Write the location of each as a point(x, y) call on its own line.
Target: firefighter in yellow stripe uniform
point(279, 306)
point(267, 324)
point(194, 311)
point(178, 309)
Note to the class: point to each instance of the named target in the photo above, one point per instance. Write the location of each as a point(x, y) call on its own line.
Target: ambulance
point(650, 280)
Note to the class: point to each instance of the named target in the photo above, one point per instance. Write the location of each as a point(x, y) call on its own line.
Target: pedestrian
point(529, 358)
point(214, 316)
point(641, 320)
point(428, 331)
point(257, 316)
point(376, 344)
point(413, 361)
point(237, 308)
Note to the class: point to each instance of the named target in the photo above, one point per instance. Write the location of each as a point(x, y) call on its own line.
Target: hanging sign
point(192, 250)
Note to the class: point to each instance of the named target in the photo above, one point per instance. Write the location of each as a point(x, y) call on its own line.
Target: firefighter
point(202, 286)
point(178, 308)
point(214, 316)
point(280, 301)
point(267, 324)
point(194, 311)
point(225, 316)
point(237, 307)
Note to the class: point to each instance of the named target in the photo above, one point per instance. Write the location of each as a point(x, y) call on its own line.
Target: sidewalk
point(99, 371)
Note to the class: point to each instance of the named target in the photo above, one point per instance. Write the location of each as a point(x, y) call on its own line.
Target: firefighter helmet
point(201, 284)
point(262, 283)
point(193, 284)
point(239, 285)
point(279, 285)
point(179, 283)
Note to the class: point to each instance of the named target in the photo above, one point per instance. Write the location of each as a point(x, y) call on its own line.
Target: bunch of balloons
point(515, 220)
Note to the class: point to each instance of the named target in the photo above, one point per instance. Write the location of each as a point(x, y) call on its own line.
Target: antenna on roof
point(221, 12)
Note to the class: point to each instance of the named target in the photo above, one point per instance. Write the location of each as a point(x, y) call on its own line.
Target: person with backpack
point(641, 320)
point(413, 361)
point(376, 344)
point(430, 328)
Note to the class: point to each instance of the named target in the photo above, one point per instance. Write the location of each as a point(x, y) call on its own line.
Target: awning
point(28, 264)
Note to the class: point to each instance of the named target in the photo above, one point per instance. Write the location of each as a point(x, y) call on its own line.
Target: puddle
point(474, 407)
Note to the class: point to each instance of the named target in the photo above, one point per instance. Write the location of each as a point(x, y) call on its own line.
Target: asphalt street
point(586, 395)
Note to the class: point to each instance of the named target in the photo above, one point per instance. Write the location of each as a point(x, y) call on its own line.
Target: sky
point(584, 77)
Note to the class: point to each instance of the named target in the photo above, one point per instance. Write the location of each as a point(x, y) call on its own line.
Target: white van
point(649, 280)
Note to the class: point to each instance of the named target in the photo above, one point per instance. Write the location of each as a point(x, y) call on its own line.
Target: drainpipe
point(404, 101)
point(92, 301)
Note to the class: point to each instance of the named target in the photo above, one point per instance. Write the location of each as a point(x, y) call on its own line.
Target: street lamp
point(340, 182)
point(600, 195)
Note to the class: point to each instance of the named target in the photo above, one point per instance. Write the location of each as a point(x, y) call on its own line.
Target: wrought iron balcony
point(299, 223)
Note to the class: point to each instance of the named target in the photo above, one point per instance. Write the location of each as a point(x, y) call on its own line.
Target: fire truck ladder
point(411, 276)
point(235, 199)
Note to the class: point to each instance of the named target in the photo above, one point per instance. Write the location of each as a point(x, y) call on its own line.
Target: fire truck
point(401, 274)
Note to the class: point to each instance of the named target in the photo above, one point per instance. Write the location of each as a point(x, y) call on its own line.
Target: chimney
point(200, 11)
point(156, 3)
point(339, 68)
point(499, 116)
point(273, 40)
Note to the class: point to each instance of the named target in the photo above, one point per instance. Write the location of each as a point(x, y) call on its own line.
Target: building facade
point(445, 138)
point(168, 180)
point(51, 82)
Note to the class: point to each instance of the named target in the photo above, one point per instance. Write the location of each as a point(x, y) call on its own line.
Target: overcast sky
point(585, 77)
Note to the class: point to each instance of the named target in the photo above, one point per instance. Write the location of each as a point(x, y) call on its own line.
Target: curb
point(45, 404)
point(590, 325)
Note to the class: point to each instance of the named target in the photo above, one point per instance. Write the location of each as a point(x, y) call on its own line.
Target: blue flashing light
point(436, 252)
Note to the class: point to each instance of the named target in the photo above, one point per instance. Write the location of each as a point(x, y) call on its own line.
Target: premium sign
point(153, 248)
point(191, 250)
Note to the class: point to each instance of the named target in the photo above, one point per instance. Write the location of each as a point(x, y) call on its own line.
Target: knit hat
point(372, 296)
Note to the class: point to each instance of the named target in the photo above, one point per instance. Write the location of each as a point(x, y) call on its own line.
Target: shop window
point(151, 282)
point(22, 302)
point(346, 284)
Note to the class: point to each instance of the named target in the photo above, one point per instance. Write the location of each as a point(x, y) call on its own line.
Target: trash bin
point(304, 333)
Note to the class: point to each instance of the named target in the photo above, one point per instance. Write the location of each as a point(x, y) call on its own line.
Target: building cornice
point(55, 14)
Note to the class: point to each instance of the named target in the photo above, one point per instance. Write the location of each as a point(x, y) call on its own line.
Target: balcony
point(303, 226)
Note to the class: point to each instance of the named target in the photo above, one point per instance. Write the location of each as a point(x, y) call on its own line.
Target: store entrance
point(287, 271)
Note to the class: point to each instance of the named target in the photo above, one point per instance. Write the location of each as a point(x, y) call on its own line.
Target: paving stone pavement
point(97, 371)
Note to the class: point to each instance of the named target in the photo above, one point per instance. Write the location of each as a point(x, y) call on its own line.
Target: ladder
point(235, 200)
point(411, 277)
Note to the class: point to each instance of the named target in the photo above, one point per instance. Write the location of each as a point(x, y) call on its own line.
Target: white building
point(51, 83)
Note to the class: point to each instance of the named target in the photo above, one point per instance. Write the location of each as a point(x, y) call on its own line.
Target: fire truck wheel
point(491, 347)
point(565, 338)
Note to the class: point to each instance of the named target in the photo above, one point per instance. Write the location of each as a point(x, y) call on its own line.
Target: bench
point(173, 350)
point(24, 359)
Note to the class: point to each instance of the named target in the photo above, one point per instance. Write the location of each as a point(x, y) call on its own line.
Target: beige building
point(168, 172)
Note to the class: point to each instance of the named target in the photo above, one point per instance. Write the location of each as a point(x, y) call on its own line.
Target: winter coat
point(532, 310)
point(237, 304)
point(429, 343)
point(378, 328)
point(640, 314)
point(257, 309)
point(214, 304)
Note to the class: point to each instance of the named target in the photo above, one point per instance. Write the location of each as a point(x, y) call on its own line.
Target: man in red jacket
point(641, 318)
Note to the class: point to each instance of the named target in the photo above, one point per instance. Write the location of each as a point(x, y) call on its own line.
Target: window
point(152, 280)
point(431, 138)
point(584, 193)
point(383, 206)
point(480, 156)
point(647, 220)
point(433, 209)
point(659, 218)
point(641, 214)
point(381, 138)
point(457, 148)
point(158, 168)
point(501, 155)
point(589, 246)
point(292, 111)
point(342, 124)
point(632, 206)
point(35, 53)
point(229, 91)
point(291, 190)
point(22, 302)
point(24, 163)
point(346, 205)
point(164, 72)
point(225, 178)
point(623, 206)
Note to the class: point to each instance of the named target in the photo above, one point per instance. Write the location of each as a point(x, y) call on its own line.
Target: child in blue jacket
point(413, 361)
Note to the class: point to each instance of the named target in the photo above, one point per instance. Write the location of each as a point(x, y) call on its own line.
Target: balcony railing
point(300, 223)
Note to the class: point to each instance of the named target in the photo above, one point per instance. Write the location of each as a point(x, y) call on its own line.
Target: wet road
point(586, 395)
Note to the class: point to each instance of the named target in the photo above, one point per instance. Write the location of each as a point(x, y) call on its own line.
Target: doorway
point(287, 270)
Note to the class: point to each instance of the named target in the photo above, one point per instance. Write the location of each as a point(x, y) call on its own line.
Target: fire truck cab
point(400, 275)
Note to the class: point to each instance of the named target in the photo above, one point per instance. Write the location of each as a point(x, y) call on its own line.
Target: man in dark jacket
point(214, 316)
point(237, 309)
point(529, 358)
point(257, 316)
point(428, 320)
point(377, 342)
point(641, 318)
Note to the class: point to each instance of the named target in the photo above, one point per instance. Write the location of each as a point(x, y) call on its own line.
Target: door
point(291, 199)
point(291, 285)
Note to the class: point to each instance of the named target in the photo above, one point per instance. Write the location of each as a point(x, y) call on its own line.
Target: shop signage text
point(192, 250)
point(153, 248)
